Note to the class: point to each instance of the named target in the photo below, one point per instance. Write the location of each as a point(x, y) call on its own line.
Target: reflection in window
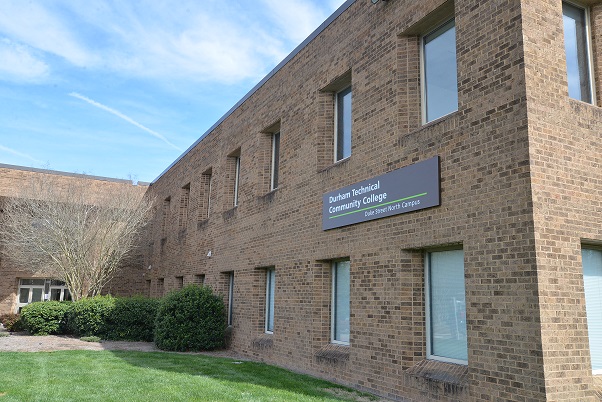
point(340, 302)
point(230, 298)
point(269, 304)
point(577, 52)
point(440, 72)
point(24, 295)
point(205, 195)
point(275, 160)
point(446, 306)
point(236, 179)
point(592, 281)
point(343, 124)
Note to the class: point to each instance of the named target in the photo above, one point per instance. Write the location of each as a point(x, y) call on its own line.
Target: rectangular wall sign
point(403, 190)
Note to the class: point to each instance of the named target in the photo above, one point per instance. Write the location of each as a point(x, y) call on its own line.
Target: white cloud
point(19, 154)
point(209, 41)
point(40, 28)
point(212, 51)
point(124, 117)
point(18, 63)
point(196, 42)
point(297, 18)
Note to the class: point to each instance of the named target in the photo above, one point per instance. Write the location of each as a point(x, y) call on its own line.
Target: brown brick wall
point(13, 180)
point(564, 138)
point(486, 207)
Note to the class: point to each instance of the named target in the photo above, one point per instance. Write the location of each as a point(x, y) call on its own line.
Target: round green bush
point(87, 317)
point(190, 319)
point(131, 319)
point(45, 318)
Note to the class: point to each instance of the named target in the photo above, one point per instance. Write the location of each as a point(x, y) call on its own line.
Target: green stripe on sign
point(379, 205)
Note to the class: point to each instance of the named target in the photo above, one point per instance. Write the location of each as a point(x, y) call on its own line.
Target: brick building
point(408, 204)
point(478, 297)
point(19, 285)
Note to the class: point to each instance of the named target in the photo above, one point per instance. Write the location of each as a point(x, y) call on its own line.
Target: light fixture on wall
point(209, 254)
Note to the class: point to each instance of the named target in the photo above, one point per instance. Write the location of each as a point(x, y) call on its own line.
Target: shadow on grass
point(247, 373)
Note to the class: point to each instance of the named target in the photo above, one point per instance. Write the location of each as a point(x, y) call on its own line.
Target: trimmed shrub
point(12, 322)
point(131, 319)
point(190, 319)
point(88, 317)
point(45, 318)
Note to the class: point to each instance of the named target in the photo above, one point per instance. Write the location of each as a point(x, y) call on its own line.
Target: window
point(236, 179)
point(232, 179)
point(30, 291)
point(160, 286)
point(179, 282)
point(446, 306)
point(439, 70)
point(58, 290)
point(205, 196)
point(230, 297)
point(333, 142)
point(340, 302)
point(576, 45)
point(275, 160)
point(270, 289)
point(184, 201)
point(148, 287)
point(592, 281)
point(199, 280)
point(36, 290)
point(166, 207)
point(342, 147)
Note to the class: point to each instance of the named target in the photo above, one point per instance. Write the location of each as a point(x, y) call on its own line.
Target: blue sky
point(122, 88)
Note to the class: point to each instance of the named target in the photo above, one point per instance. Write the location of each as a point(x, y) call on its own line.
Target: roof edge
point(280, 65)
point(67, 174)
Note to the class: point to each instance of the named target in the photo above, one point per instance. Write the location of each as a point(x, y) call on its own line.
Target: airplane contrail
point(124, 117)
point(17, 153)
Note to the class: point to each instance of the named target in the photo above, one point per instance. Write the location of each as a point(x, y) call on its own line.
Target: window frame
point(184, 206)
point(333, 304)
point(236, 179)
point(427, 307)
point(589, 62)
point(199, 279)
point(338, 99)
point(270, 290)
point(165, 215)
point(275, 163)
point(423, 75)
point(205, 194)
point(161, 286)
point(230, 298)
point(597, 248)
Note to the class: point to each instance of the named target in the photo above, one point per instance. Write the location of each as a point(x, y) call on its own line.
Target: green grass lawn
point(143, 376)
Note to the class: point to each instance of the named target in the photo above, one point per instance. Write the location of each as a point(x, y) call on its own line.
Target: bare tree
point(74, 230)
